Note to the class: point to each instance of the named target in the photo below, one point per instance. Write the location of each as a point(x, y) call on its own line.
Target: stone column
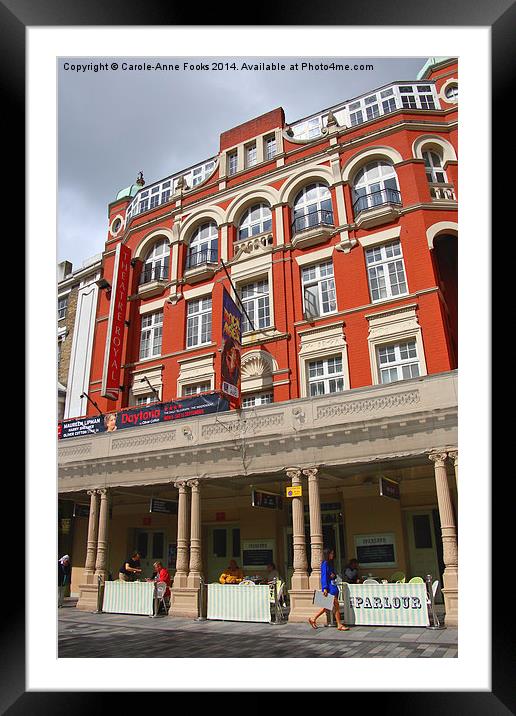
point(102, 542)
point(454, 455)
point(181, 576)
point(449, 537)
point(316, 533)
point(300, 576)
point(91, 545)
point(88, 587)
point(195, 535)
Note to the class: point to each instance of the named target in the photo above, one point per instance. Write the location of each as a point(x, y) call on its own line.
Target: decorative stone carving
point(75, 451)
point(438, 458)
point(383, 402)
point(256, 364)
point(143, 440)
point(240, 427)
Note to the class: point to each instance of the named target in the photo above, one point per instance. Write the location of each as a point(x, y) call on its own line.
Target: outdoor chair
point(159, 596)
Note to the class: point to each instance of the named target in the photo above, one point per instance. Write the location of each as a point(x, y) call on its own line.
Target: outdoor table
point(240, 603)
point(384, 604)
point(129, 597)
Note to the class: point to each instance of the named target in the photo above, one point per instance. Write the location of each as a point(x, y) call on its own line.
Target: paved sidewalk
point(85, 634)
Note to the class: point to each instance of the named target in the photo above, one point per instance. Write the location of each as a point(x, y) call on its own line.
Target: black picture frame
point(500, 16)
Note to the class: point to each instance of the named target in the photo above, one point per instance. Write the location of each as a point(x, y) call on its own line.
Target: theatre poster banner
point(197, 405)
point(231, 344)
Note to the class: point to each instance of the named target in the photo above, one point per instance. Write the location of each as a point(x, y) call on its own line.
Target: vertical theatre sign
point(116, 322)
point(231, 342)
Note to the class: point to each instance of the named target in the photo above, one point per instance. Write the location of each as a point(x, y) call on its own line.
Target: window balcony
point(200, 265)
point(377, 207)
point(442, 192)
point(153, 281)
point(312, 228)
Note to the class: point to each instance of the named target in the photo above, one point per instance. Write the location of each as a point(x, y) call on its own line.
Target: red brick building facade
point(339, 233)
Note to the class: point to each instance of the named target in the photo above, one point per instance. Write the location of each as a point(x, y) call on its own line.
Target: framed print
point(38, 40)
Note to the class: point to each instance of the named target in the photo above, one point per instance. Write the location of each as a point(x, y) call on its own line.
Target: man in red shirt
point(162, 575)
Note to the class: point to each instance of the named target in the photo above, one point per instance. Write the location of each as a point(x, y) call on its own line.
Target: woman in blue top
point(329, 586)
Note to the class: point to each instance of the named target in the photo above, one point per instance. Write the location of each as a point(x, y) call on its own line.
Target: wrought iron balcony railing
point(312, 219)
point(153, 273)
point(375, 199)
point(201, 258)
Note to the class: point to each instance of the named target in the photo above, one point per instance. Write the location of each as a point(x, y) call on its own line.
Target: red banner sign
point(115, 331)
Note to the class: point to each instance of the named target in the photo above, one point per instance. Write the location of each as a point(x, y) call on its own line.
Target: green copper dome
point(129, 191)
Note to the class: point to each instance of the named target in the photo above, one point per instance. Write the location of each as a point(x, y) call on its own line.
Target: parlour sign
point(116, 322)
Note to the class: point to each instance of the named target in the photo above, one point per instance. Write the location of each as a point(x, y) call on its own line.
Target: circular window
point(116, 226)
point(452, 93)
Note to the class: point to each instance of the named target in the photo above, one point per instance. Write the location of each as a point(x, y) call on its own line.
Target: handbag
point(320, 600)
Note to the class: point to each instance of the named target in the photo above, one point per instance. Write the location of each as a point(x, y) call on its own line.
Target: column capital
point(438, 458)
point(102, 491)
point(293, 472)
point(311, 472)
point(181, 485)
point(91, 492)
point(194, 484)
point(454, 455)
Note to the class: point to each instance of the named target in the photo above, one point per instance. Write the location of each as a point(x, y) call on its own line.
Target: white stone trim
point(143, 247)
point(153, 306)
point(440, 228)
point(322, 342)
point(154, 374)
point(114, 234)
point(244, 270)
point(280, 230)
point(442, 92)
point(201, 215)
point(394, 326)
point(301, 177)
point(257, 368)
point(368, 155)
point(430, 141)
point(315, 256)
point(199, 369)
point(252, 195)
point(198, 291)
point(380, 237)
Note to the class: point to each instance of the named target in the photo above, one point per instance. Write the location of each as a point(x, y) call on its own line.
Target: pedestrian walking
point(329, 586)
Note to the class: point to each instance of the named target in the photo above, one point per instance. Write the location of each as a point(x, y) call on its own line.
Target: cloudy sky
point(112, 124)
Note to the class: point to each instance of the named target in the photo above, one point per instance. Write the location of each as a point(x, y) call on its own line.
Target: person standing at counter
point(131, 568)
point(328, 586)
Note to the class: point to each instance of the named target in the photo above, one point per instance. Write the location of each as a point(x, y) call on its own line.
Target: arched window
point(256, 220)
point(374, 185)
point(312, 207)
point(434, 168)
point(203, 246)
point(155, 267)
